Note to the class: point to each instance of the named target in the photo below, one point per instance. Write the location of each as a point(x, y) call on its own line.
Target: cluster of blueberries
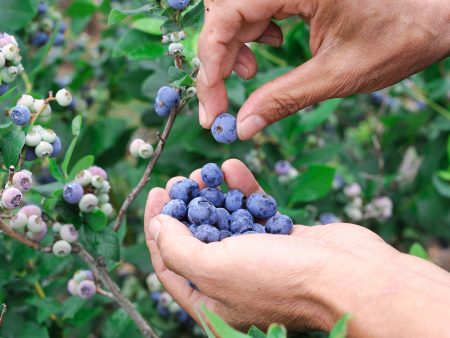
point(90, 190)
point(212, 216)
point(11, 196)
point(44, 25)
point(82, 284)
point(10, 61)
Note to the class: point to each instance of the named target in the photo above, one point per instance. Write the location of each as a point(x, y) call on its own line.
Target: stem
point(99, 267)
point(44, 106)
point(148, 171)
point(21, 238)
point(2, 314)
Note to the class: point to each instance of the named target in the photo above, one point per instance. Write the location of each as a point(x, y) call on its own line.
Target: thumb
point(314, 81)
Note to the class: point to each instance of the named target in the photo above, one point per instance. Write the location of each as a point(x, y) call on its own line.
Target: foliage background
point(114, 71)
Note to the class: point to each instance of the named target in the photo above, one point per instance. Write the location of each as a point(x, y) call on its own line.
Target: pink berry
point(11, 198)
point(30, 210)
point(68, 233)
point(98, 171)
point(22, 180)
point(72, 287)
point(18, 221)
point(37, 236)
point(86, 289)
point(36, 224)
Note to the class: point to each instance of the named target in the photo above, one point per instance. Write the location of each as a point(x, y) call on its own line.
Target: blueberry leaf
point(96, 220)
point(12, 144)
point(138, 45)
point(82, 164)
point(117, 15)
point(219, 325)
point(16, 14)
point(313, 184)
point(193, 16)
point(254, 332)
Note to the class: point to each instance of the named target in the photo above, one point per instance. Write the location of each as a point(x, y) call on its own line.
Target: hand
point(358, 46)
point(305, 281)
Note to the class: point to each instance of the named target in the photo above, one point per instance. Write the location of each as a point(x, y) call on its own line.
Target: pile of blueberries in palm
point(212, 215)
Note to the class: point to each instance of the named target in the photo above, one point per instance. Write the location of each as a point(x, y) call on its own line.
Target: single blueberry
point(183, 317)
point(224, 234)
point(62, 27)
point(207, 233)
point(185, 190)
point(212, 175)
point(193, 229)
point(56, 147)
point(224, 128)
point(73, 192)
point(20, 115)
point(59, 39)
point(283, 167)
point(327, 218)
point(279, 224)
point(242, 213)
point(161, 109)
point(258, 228)
point(169, 96)
point(162, 310)
point(261, 205)
point(155, 296)
point(202, 213)
point(213, 195)
point(196, 200)
point(234, 199)
point(40, 39)
point(178, 4)
point(176, 209)
point(42, 8)
point(30, 154)
point(223, 219)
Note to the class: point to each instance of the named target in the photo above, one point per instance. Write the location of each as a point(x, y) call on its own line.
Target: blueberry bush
point(100, 106)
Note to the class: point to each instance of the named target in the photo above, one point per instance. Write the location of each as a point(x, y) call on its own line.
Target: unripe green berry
point(135, 145)
point(61, 248)
point(43, 149)
point(97, 181)
point(33, 138)
point(56, 227)
point(36, 224)
point(84, 177)
point(146, 151)
point(39, 104)
point(18, 221)
point(88, 203)
point(48, 135)
point(103, 198)
point(107, 209)
point(63, 97)
point(26, 100)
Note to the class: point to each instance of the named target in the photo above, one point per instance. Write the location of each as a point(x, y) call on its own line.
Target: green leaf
point(339, 330)
point(12, 144)
point(175, 73)
point(193, 16)
point(76, 126)
point(71, 306)
point(55, 170)
point(148, 25)
point(137, 45)
point(104, 243)
point(313, 184)
point(117, 15)
point(448, 149)
point(45, 307)
point(276, 331)
point(15, 15)
point(222, 328)
point(441, 186)
point(419, 251)
point(82, 164)
point(81, 8)
point(318, 116)
point(8, 94)
point(116, 324)
point(33, 330)
point(96, 220)
point(444, 174)
point(254, 332)
point(6, 128)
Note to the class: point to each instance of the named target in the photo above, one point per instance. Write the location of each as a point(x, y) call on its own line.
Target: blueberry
point(234, 199)
point(73, 192)
point(213, 195)
point(283, 167)
point(248, 232)
point(196, 200)
point(163, 311)
point(178, 4)
point(30, 154)
point(261, 205)
point(3, 88)
point(240, 225)
point(207, 233)
point(40, 39)
point(161, 109)
point(377, 98)
point(183, 316)
point(155, 296)
point(56, 147)
point(168, 96)
point(59, 39)
point(212, 175)
point(176, 209)
point(193, 229)
point(185, 223)
point(223, 219)
point(327, 218)
point(258, 228)
point(185, 190)
point(242, 213)
point(224, 234)
point(202, 213)
point(279, 224)
point(62, 27)
point(20, 115)
point(42, 8)
point(224, 128)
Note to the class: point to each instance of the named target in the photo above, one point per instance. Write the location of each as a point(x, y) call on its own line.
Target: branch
point(21, 238)
point(148, 171)
point(2, 314)
point(99, 267)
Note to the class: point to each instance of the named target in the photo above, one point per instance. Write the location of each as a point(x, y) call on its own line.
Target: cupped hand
point(299, 280)
point(357, 46)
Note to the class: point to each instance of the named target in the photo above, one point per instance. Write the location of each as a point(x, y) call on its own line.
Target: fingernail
point(270, 40)
point(155, 228)
point(241, 70)
point(201, 114)
point(250, 126)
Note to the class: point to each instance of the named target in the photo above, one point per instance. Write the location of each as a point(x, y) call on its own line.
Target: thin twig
point(2, 314)
point(148, 171)
point(99, 267)
point(21, 238)
point(378, 153)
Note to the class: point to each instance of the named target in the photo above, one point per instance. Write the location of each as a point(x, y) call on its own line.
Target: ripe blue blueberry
point(196, 200)
point(242, 213)
point(20, 115)
point(261, 205)
point(223, 219)
point(3, 88)
point(258, 228)
point(155, 296)
point(73, 192)
point(212, 175)
point(224, 128)
point(327, 218)
point(39, 39)
point(169, 96)
point(225, 234)
point(240, 225)
point(279, 224)
point(176, 209)
point(213, 195)
point(161, 109)
point(62, 27)
point(178, 4)
point(207, 233)
point(283, 167)
point(56, 147)
point(202, 213)
point(185, 190)
point(193, 229)
point(163, 311)
point(30, 154)
point(42, 8)
point(234, 199)
point(59, 39)
point(183, 317)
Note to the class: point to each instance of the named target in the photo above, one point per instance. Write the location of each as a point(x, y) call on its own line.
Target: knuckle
point(284, 105)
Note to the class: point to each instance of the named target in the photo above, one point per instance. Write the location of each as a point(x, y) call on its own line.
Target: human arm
point(357, 46)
